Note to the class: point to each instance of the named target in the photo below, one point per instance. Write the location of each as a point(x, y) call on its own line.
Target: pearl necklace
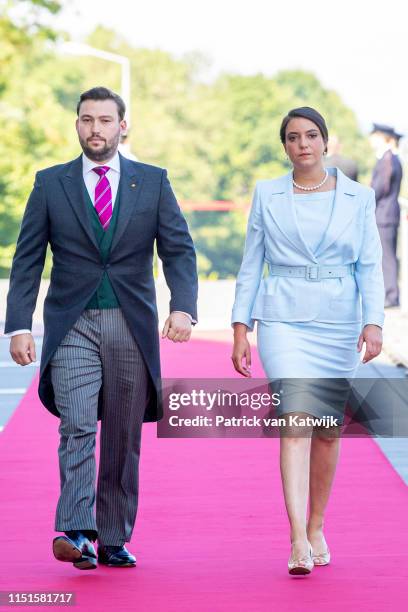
point(326, 176)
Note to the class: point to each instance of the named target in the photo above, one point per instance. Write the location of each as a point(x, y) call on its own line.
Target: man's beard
point(107, 152)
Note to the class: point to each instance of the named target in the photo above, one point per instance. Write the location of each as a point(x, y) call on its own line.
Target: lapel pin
point(133, 185)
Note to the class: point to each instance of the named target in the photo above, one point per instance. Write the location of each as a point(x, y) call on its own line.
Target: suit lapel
point(130, 183)
point(73, 185)
point(344, 208)
point(282, 207)
point(130, 186)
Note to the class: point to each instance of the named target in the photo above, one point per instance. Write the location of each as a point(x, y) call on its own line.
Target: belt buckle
point(313, 273)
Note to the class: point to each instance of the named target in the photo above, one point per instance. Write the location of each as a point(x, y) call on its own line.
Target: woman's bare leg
point(324, 453)
point(295, 447)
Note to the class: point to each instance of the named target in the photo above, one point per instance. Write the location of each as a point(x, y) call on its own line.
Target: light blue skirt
point(293, 352)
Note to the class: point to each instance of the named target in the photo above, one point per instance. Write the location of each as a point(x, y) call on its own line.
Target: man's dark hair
point(306, 112)
point(103, 93)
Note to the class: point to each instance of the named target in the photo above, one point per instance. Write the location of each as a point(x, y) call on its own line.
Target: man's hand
point(372, 336)
point(22, 349)
point(241, 350)
point(177, 327)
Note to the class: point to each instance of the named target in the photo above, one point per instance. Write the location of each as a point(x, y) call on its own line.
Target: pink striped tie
point(103, 197)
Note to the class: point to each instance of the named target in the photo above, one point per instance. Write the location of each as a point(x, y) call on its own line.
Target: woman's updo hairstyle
point(305, 112)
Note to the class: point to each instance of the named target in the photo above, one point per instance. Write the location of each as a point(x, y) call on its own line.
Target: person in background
point(124, 147)
point(386, 182)
point(334, 159)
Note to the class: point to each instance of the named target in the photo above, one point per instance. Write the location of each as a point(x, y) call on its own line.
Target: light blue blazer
point(274, 237)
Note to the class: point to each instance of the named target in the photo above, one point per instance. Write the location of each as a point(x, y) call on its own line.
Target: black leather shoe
point(115, 556)
point(76, 548)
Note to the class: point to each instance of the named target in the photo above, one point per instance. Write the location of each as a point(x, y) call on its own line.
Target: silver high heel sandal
point(322, 559)
point(301, 565)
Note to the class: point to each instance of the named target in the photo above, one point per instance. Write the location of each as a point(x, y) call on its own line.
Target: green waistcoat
point(104, 296)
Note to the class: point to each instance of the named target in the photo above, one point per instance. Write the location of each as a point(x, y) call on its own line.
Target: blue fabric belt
point(311, 273)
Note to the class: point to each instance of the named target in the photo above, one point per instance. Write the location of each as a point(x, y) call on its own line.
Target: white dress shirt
point(90, 179)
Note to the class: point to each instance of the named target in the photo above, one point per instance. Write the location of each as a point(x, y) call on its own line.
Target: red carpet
point(211, 533)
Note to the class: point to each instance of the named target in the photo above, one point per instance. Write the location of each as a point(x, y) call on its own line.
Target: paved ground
point(14, 379)
point(396, 335)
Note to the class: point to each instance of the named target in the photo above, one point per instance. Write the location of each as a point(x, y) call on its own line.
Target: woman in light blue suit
point(321, 300)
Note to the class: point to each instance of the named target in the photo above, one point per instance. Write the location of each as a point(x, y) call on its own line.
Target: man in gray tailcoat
point(101, 214)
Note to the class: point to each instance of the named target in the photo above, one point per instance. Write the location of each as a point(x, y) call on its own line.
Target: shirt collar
point(88, 165)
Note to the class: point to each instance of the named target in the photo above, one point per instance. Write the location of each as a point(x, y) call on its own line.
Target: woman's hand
point(372, 336)
point(241, 350)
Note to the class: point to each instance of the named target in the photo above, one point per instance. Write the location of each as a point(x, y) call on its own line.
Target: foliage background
point(216, 139)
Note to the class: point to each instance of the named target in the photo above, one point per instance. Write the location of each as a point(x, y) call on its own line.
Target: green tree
point(33, 119)
point(243, 145)
point(216, 139)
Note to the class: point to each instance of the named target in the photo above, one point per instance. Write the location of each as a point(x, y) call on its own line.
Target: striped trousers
point(99, 348)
